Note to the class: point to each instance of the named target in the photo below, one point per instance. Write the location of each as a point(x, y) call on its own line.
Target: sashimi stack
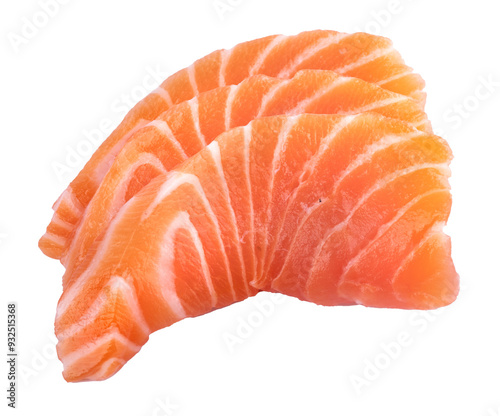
point(304, 165)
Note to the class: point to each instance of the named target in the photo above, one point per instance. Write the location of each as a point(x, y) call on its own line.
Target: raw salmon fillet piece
point(331, 209)
point(186, 128)
point(368, 57)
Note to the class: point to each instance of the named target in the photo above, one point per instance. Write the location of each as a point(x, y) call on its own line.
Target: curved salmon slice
point(186, 128)
point(335, 210)
point(368, 57)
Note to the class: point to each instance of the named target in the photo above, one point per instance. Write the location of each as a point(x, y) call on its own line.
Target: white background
point(76, 73)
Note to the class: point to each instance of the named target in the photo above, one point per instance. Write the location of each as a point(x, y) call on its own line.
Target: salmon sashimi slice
point(186, 128)
point(368, 57)
point(331, 209)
